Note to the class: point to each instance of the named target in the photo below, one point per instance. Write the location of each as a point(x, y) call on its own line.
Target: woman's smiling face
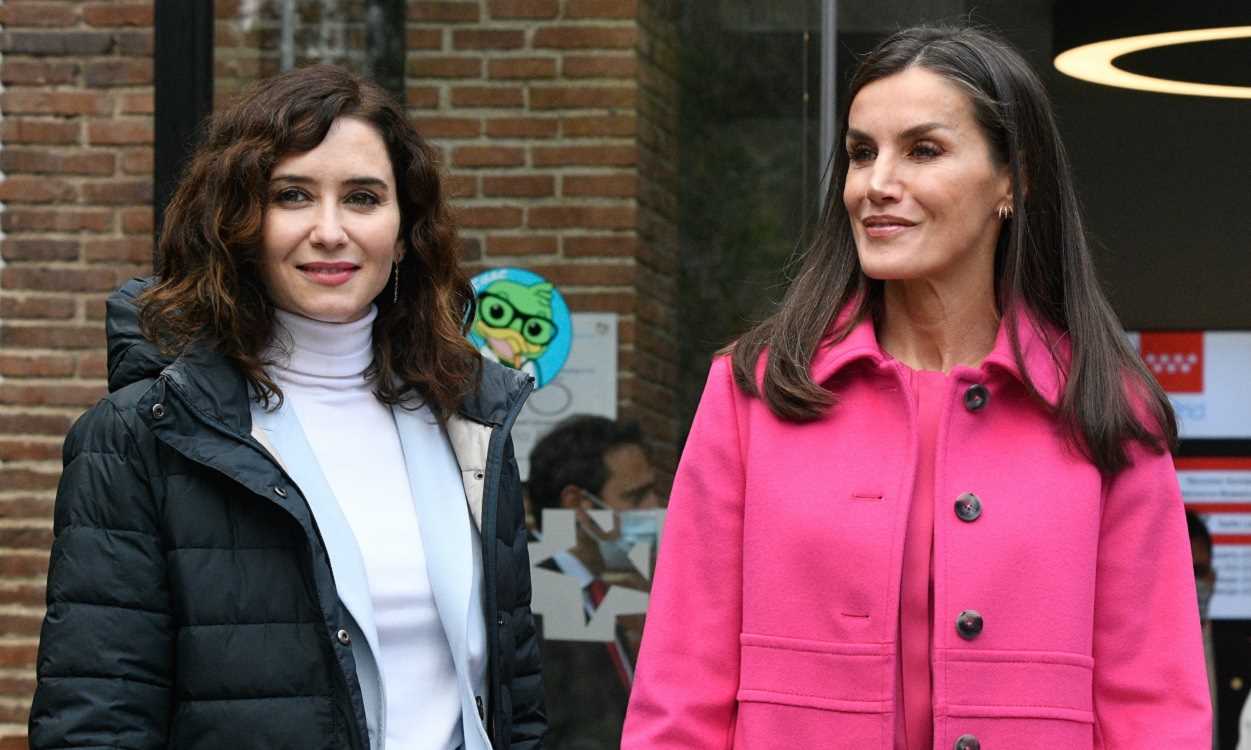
point(331, 226)
point(923, 189)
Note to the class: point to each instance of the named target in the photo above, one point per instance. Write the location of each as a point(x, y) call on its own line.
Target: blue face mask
point(635, 528)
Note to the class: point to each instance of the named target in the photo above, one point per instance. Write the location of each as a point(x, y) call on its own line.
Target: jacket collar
point(1044, 350)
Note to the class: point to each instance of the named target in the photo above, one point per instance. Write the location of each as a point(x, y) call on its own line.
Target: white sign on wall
point(1206, 376)
point(1219, 490)
point(587, 384)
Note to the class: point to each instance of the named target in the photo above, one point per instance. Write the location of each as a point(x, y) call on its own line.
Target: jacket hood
point(131, 356)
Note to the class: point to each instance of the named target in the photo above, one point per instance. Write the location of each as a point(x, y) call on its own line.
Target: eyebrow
point(912, 132)
point(358, 181)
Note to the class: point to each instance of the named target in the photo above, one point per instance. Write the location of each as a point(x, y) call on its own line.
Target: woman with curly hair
point(296, 520)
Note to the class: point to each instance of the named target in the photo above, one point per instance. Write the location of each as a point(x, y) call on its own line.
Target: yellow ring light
point(1093, 62)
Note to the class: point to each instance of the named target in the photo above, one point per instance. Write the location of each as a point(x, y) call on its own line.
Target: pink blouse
point(914, 724)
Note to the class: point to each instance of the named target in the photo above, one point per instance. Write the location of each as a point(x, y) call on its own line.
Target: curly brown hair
point(209, 286)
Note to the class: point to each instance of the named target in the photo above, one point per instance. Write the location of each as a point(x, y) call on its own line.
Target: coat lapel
point(285, 437)
point(447, 532)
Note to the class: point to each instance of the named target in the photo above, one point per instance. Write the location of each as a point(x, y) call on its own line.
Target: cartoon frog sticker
point(518, 322)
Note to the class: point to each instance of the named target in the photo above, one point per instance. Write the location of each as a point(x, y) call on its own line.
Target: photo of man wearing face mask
point(1205, 585)
point(597, 469)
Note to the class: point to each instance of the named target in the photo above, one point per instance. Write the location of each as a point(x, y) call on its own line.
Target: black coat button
point(976, 397)
point(968, 742)
point(968, 507)
point(344, 637)
point(969, 624)
point(158, 410)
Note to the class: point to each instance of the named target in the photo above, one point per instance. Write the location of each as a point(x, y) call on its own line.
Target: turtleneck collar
point(304, 349)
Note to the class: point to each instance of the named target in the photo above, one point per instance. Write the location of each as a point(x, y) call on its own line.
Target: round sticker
point(522, 322)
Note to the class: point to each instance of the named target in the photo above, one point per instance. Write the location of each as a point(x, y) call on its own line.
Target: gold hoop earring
point(395, 288)
point(1005, 212)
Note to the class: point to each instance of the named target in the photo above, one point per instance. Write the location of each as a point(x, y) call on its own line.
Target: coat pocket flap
point(821, 674)
point(1019, 683)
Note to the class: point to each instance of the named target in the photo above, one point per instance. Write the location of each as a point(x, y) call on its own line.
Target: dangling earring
point(395, 288)
point(1005, 211)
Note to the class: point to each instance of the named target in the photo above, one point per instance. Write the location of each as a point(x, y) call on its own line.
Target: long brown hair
point(209, 287)
point(1042, 262)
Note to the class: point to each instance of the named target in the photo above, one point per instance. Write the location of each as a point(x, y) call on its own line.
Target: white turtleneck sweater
point(320, 369)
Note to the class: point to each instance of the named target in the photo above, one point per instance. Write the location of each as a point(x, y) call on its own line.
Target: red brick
point(137, 161)
point(23, 423)
point(43, 279)
point(50, 308)
point(605, 246)
point(126, 249)
point(43, 394)
point(443, 12)
point(38, 72)
point(605, 156)
point(41, 160)
point(603, 186)
point(29, 189)
point(422, 97)
point(582, 97)
point(487, 96)
point(444, 67)
point(93, 365)
point(117, 192)
point(135, 43)
point(522, 67)
point(586, 37)
point(18, 655)
point(519, 186)
point(425, 39)
point(39, 365)
point(118, 72)
point(488, 217)
point(503, 9)
point(524, 244)
point(470, 250)
point(53, 337)
point(587, 274)
point(94, 308)
point(601, 9)
point(21, 624)
point(16, 219)
point(24, 130)
point(599, 127)
point(119, 132)
point(597, 217)
point(118, 14)
point(56, 15)
point(488, 156)
point(56, 43)
point(27, 480)
point(460, 185)
point(28, 101)
point(38, 249)
point(137, 220)
point(522, 127)
point(448, 127)
point(600, 66)
point(138, 104)
point(23, 564)
point(488, 39)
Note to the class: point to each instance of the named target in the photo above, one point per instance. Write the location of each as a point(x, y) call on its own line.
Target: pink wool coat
point(774, 615)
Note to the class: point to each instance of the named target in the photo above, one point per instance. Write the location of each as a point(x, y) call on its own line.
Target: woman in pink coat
point(929, 503)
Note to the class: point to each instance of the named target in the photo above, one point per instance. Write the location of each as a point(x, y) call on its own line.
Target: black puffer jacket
point(190, 599)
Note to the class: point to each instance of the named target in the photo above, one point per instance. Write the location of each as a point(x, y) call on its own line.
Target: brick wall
point(556, 120)
point(547, 115)
point(77, 220)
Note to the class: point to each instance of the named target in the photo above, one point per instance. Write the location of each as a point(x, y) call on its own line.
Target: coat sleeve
point(526, 687)
point(685, 687)
point(105, 662)
point(1150, 682)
